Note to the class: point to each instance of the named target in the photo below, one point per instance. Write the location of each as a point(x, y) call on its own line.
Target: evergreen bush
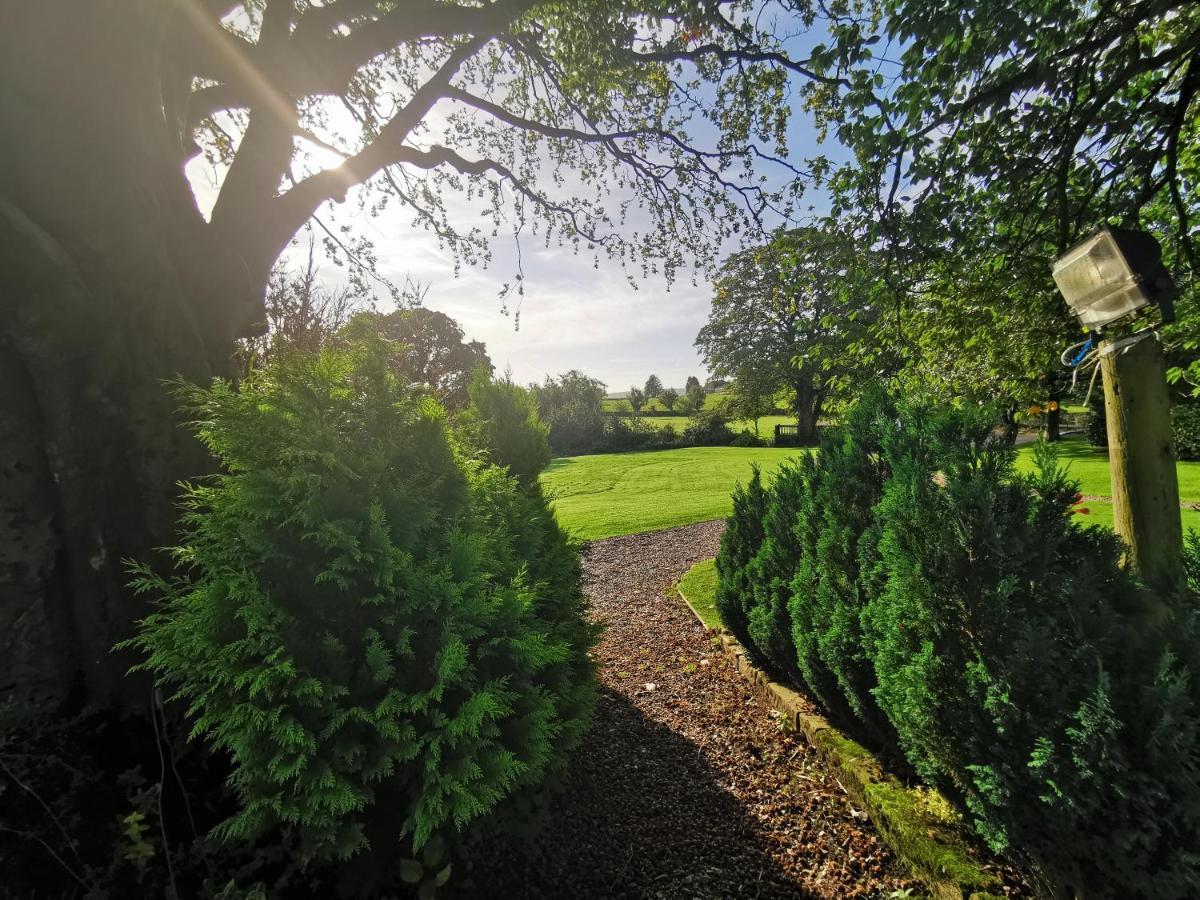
point(847, 479)
point(961, 612)
point(771, 570)
point(1185, 424)
point(501, 423)
point(387, 640)
point(1014, 668)
point(740, 543)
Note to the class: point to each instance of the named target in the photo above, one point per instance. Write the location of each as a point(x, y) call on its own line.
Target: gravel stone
point(686, 786)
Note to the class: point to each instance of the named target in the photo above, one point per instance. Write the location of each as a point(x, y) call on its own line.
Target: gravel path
point(686, 786)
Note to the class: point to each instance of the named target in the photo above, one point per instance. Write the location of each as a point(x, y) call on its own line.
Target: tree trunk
point(110, 283)
point(806, 408)
point(1053, 424)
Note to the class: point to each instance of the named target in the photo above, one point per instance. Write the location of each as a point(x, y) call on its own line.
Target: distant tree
point(653, 388)
point(437, 353)
point(795, 313)
point(668, 399)
point(750, 397)
point(636, 400)
point(573, 406)
point(693, 383)
point(695, 396)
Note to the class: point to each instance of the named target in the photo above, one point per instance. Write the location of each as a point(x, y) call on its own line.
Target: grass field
point(623, 493)
point(699, 585)
point(1089, 466)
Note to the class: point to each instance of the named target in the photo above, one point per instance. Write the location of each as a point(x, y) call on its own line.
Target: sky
point(574, 314)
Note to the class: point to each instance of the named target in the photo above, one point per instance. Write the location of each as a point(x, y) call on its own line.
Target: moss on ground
point(918, 823)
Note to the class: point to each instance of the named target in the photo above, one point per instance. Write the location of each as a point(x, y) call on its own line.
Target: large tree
point(793, 315)
point(436, 353)
point(556, 118)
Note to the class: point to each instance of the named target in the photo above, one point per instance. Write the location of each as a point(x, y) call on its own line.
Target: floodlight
point(1113, 274)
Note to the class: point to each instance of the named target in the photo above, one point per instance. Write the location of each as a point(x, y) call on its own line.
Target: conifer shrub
point(501, 423)
point(771, 570)
point(388, 641)
point(1016, 670)
point(961, 612)
point(740, 543)
point(838, 525)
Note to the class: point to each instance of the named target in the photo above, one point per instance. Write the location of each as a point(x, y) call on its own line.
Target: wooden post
point(1141, 455)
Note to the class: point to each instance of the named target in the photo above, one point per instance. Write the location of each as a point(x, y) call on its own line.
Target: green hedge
point(388, 640)
point(965, 617)
point(1185, 423)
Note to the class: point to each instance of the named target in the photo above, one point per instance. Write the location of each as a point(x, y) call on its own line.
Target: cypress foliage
point(1011, 663)
point(847, 479)
point(770, 572)
point(739, 545)
point(388, 641)
point(962, 613)
point(501, 424)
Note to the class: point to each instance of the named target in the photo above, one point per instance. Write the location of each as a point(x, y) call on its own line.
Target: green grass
point(1089, 466)
point(608, 494)
point(624, 493)
point(699, 585)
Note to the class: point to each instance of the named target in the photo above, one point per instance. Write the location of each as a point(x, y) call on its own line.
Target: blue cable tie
point(1082, 353)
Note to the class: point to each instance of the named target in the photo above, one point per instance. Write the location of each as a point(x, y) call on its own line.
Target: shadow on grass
point(643, 814)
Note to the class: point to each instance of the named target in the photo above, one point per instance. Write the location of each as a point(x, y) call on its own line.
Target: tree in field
point(437, 354)
point(793, 315)
point(554, 118)
point(693, 384)
point(636, 400)
point(1001, 134)
point(668, 399)
point(750, 396)
point(654, 387)
point(695, 398)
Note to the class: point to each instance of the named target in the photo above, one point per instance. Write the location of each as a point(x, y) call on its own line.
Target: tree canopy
point(296, 103)
point(436, 353)
point(794, 315)
point(987, 138)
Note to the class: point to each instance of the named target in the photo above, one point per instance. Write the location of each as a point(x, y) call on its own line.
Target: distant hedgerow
point(388, 641)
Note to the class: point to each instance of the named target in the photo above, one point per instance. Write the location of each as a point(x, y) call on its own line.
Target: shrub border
point(933, 849)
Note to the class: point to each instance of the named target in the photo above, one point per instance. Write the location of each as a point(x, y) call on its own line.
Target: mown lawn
point(1088, 465)
point(608, 494)
point(623, 493)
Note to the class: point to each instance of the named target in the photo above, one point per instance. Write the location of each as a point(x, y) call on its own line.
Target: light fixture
point(1113, 274)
